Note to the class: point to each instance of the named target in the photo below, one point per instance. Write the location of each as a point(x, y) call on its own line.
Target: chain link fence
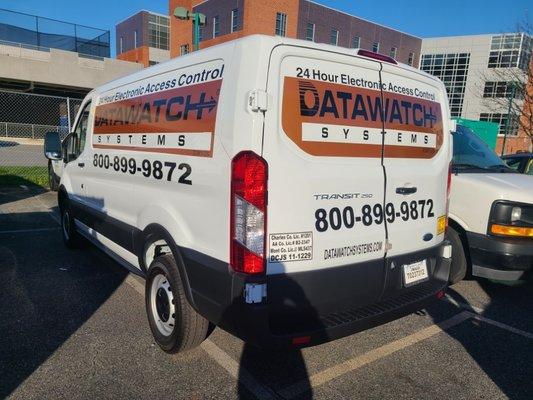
point(24, 120)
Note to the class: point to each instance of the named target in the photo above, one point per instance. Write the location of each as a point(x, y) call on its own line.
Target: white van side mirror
point(52, 146)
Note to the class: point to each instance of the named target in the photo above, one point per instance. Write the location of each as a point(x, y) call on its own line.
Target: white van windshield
point(471, 154)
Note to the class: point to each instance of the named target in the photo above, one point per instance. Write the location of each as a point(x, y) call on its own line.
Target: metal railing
point(16, 130)
point(40, 32)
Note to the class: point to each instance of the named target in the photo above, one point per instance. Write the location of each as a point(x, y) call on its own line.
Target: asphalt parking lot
point(21, 152)
point(73, 325)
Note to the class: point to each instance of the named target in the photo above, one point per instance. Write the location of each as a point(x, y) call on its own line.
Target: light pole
point(508, 121)
point(198, 20)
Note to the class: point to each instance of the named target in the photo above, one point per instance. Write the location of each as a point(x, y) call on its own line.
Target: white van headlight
point(511, 219)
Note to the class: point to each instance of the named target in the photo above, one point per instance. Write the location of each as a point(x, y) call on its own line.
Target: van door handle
point(81, 164)
point(405, 190)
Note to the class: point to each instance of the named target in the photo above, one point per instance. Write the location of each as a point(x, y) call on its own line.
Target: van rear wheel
point(175, 325)
point(459, 261)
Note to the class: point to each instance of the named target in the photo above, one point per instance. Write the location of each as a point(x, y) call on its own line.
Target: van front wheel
point(175, 325)
point(71, 237)
point(459, 266)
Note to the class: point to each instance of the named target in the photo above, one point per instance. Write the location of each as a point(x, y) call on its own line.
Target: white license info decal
point(415, 272)
point(294, 246)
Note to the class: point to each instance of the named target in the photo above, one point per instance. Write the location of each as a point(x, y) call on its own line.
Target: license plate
point(415, 272)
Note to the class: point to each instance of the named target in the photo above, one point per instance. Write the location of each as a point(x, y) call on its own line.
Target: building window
point(411, 59)
point(510, 50)
point(501, 119)
point(184, 49)
point(135, 41)
point(393, 52)
point(201, 34)
point(310, 32)
point(375, 47)
point(234, 20)
point(281, 24)
point(216, 26)
point(501, 90)
point(121, 45)
point(158, 31)
point(356, 42)
point(452, 69)
point(334, 37)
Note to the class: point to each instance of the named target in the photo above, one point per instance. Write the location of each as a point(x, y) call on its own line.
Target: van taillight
point(249, 175)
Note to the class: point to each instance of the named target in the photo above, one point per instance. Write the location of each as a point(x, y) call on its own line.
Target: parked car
point(252, 184)
point(521, 162)
point(491, 213)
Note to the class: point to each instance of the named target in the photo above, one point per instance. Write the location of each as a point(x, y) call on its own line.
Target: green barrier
point(487, 131)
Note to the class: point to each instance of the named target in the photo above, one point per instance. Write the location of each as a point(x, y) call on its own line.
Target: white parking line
point(262, 392)
point(51, 213)
point(353, 364)
point(237, 372)
point(503, 326)
point(477, 315)
point(221, 357)
point(135, 284)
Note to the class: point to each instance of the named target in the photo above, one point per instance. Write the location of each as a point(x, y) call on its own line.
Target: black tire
point(71, 237)
point(53, 179)
point(459, 267)
point(175, 325)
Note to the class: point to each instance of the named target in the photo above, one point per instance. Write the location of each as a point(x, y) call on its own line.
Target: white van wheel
point(459, 266)
point(162, 302)
point(175, 325)
point(71, 237)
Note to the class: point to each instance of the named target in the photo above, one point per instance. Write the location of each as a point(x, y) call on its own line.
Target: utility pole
point(198, 20)
point(508, 121)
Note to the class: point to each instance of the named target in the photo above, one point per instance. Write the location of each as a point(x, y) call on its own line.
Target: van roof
point(250, 41)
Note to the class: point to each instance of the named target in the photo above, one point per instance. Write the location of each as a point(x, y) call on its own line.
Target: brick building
point(231, 19)
point(301, 19)
point(143, 38)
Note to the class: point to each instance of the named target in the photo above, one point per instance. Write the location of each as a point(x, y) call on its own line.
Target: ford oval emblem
point(427, 237)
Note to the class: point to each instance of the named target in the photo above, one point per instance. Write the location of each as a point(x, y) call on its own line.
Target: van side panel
point(154, 148)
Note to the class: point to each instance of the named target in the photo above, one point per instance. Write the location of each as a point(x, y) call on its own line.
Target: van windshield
point(471, 154)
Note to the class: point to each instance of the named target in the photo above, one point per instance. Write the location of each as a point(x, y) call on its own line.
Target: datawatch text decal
point(352, 250)
point(174, 116)
point(294, 246)
point(330, 119)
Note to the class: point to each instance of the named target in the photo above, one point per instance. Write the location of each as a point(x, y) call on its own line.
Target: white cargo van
point(288, 192)
point(491, 214)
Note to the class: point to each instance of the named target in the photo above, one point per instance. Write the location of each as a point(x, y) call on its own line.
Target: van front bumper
point(309, 308)
point(499, 258)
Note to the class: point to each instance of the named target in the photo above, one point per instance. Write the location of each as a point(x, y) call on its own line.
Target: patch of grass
point(14, 176)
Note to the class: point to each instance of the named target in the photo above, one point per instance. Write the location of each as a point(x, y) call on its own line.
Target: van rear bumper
point(506, 259)
point(316, 307)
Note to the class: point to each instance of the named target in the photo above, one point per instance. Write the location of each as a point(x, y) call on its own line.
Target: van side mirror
point(52, 146)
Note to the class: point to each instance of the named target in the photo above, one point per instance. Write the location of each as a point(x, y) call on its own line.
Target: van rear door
point(416, 159)
point(325, 172)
